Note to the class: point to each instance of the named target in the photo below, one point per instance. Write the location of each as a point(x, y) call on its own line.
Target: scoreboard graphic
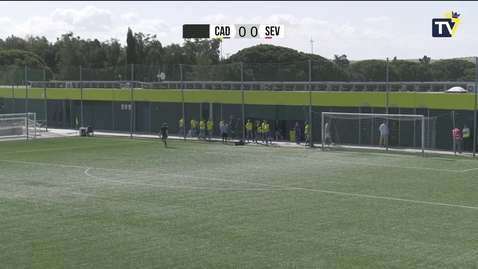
point(230, 31)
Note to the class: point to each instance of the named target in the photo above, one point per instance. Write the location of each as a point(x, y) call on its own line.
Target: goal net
point(415, 133)
point(19, 126)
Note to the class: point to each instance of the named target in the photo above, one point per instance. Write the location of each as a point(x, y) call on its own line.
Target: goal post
point(19, 126)
point(414, 133)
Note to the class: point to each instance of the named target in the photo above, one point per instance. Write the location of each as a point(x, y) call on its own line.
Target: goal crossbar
point(362, 116)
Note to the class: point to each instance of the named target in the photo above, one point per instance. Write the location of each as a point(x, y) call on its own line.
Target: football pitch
point(131, 203)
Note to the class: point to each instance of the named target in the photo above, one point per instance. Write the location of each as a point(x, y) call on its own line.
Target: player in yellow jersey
point(307, 133)
point(267, 132)
point(210, 126)
point(193, 127)
point(181, 127)
point(202, 130)
point(263, 125)
point(221, 123)
point(249, 133)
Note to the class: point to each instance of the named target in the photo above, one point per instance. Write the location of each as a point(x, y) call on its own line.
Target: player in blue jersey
point(297, 133)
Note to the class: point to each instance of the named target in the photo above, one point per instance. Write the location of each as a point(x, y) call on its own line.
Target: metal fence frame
point(308, 86)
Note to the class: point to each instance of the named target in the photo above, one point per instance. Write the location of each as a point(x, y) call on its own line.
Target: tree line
point(200, 58)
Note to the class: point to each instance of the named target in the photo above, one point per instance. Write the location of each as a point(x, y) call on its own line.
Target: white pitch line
point(67, 148)
point(172, 186)
point(139, 172)
point(262, 184)
point(469, 170)
point(179, 175)
point(386, 198)
point(307, 157)
point(45, 164)
point(79, 193)
point(298, 188)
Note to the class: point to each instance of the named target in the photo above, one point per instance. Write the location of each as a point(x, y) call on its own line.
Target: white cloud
point(283, 19)
point(90, 18)
point(381, 19)
point(248, 20)
point(89, 22)
point(153, 26)
point(5, 22)
point(327, 35)
point(41, 26)
point(130, 16)
point(215, 18)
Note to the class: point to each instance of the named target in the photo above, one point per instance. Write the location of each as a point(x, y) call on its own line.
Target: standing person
point(181, 127)
point(393, 134)
point(263, 128)
point(202, 129)
point(306, 133)
point(54, 117)
point(457, 139)
point(193, 127)
point(224, 130)
point(297, 133)
point(258, 130)
point(238, 124)
point(466, 138)
point(60, 117)
point(327, 137)
point(232, 127)
point(278, 131)
point(267, 132)
point(383, 134)
point(210, 126)
point(249, 128)
point(163, 133)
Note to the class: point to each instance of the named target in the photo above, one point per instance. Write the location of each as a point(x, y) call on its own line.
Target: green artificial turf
point(131, 203)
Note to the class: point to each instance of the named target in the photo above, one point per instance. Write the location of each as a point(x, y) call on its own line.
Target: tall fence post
point(453, 122)
point(132, 98)
point(13, 88)
point(311, 138)
point(243, 106)
point(45, 99)
point(26, 100)
point(474, 111)
point(182, 98)
point(386, 94)
point(81, 95)
point(113, 107)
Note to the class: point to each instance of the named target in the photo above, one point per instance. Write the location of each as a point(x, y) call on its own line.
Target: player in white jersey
point(327, 137)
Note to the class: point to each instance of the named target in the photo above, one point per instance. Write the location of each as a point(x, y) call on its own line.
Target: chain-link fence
point(140, 98)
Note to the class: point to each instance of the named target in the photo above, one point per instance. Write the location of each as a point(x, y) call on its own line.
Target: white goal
point(415, 133)
point(18, 126)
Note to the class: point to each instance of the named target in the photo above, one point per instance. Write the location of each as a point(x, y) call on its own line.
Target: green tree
point(453, 70)
point(425, 60)
point(341, 61)
point(131, 49)
point(269, 62)
point(16, 60)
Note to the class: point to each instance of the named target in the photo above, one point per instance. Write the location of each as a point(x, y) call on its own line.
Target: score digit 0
point(243, 31)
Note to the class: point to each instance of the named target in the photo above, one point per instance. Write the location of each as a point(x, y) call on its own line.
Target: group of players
point(255, 132)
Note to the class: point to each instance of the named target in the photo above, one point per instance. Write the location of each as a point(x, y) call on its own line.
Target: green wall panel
point(334, 99)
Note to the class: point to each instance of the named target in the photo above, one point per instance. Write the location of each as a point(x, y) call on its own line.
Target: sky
point(361, 30)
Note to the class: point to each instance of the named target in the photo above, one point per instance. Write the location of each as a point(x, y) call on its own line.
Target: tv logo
point(446, 27)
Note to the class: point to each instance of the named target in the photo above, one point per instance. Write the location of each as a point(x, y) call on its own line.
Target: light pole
point(311, 46)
